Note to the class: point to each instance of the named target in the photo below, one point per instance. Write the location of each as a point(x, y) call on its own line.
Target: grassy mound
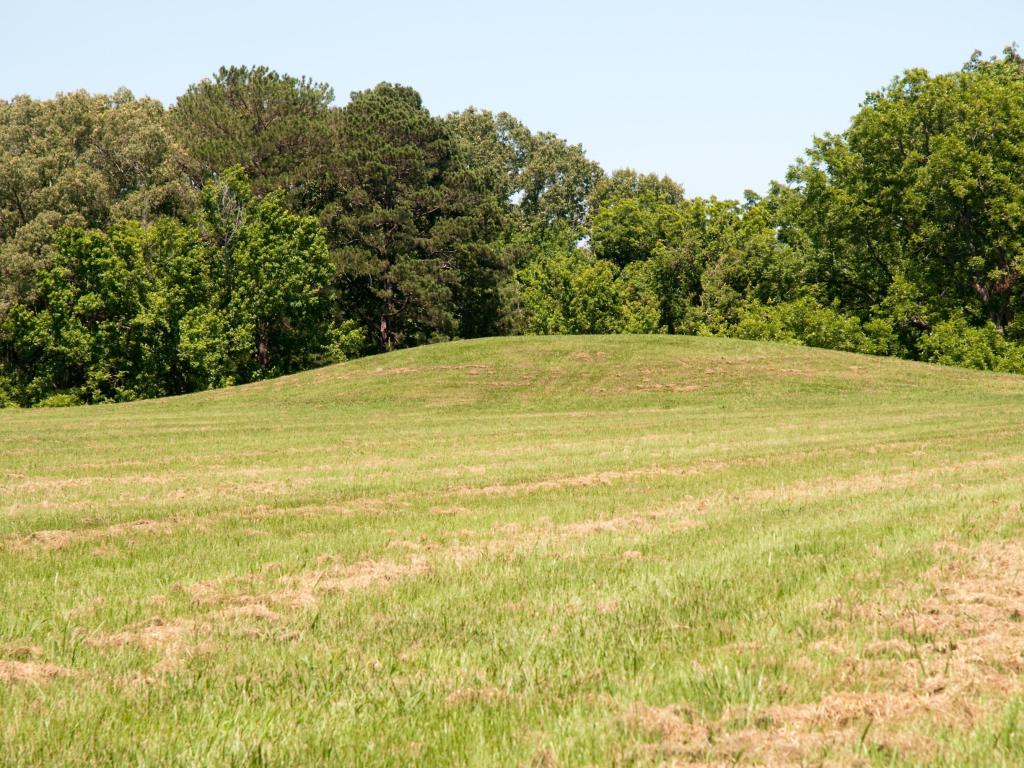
point(557, 551)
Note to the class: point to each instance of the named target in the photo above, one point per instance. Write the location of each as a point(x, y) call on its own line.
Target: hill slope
point(590, 550)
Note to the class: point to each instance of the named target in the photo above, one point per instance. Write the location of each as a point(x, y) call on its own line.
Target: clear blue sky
point(719, 96)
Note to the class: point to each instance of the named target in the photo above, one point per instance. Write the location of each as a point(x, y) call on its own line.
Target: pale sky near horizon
point(722, 97)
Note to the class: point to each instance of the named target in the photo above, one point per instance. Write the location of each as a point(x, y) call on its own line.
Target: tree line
point(256, 229)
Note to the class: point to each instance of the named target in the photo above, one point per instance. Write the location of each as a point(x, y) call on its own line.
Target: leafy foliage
point(954, 342)
point(267, 310)
point(81, 161)
point(542, 183)
point(256, 228)
point(276, 127)
point(925, 188)
point(806, 321)
point(410, 224)
point(149, 311)
point(570, 291)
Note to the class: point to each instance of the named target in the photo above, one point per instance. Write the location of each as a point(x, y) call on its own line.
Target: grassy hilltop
point(546, 551)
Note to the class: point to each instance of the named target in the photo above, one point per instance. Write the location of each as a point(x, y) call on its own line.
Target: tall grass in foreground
point(550, 551)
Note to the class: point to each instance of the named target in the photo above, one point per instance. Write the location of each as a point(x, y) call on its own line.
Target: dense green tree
point(641, 297)
point(703, 258)
point(956, 342)
point(640, 223)
point(88, 332)
point(143, 310)
point(626, 183)
point(268, 311)
point(924, 191)
point(567, 290)
point(741, 258)
point(539, 184)
point(632, 228)
point(411, 224)
point(807, 321)
point(82, 161)
point(274, 126)
point(541, 181)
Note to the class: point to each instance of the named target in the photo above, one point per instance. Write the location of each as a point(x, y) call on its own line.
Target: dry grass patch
point(155, 634)
point(50, 540)
point(253, 610)
point(483, 695)
point(606, 477)
point(950, 660)
point(802, 490)
point(810, 490)
point(30, 671)
point(304, 590)
point(21, 651)
point(58, 539)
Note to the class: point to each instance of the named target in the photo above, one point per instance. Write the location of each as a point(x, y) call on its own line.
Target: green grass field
point(547, 551)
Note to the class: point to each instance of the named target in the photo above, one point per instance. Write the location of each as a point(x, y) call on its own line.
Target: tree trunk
point(263, 350)
point(387, 336)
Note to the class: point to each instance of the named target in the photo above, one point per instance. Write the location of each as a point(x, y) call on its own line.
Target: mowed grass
point(548, 551)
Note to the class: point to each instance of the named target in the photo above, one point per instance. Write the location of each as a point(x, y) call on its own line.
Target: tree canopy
point(257, 228)
point(276, 127)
